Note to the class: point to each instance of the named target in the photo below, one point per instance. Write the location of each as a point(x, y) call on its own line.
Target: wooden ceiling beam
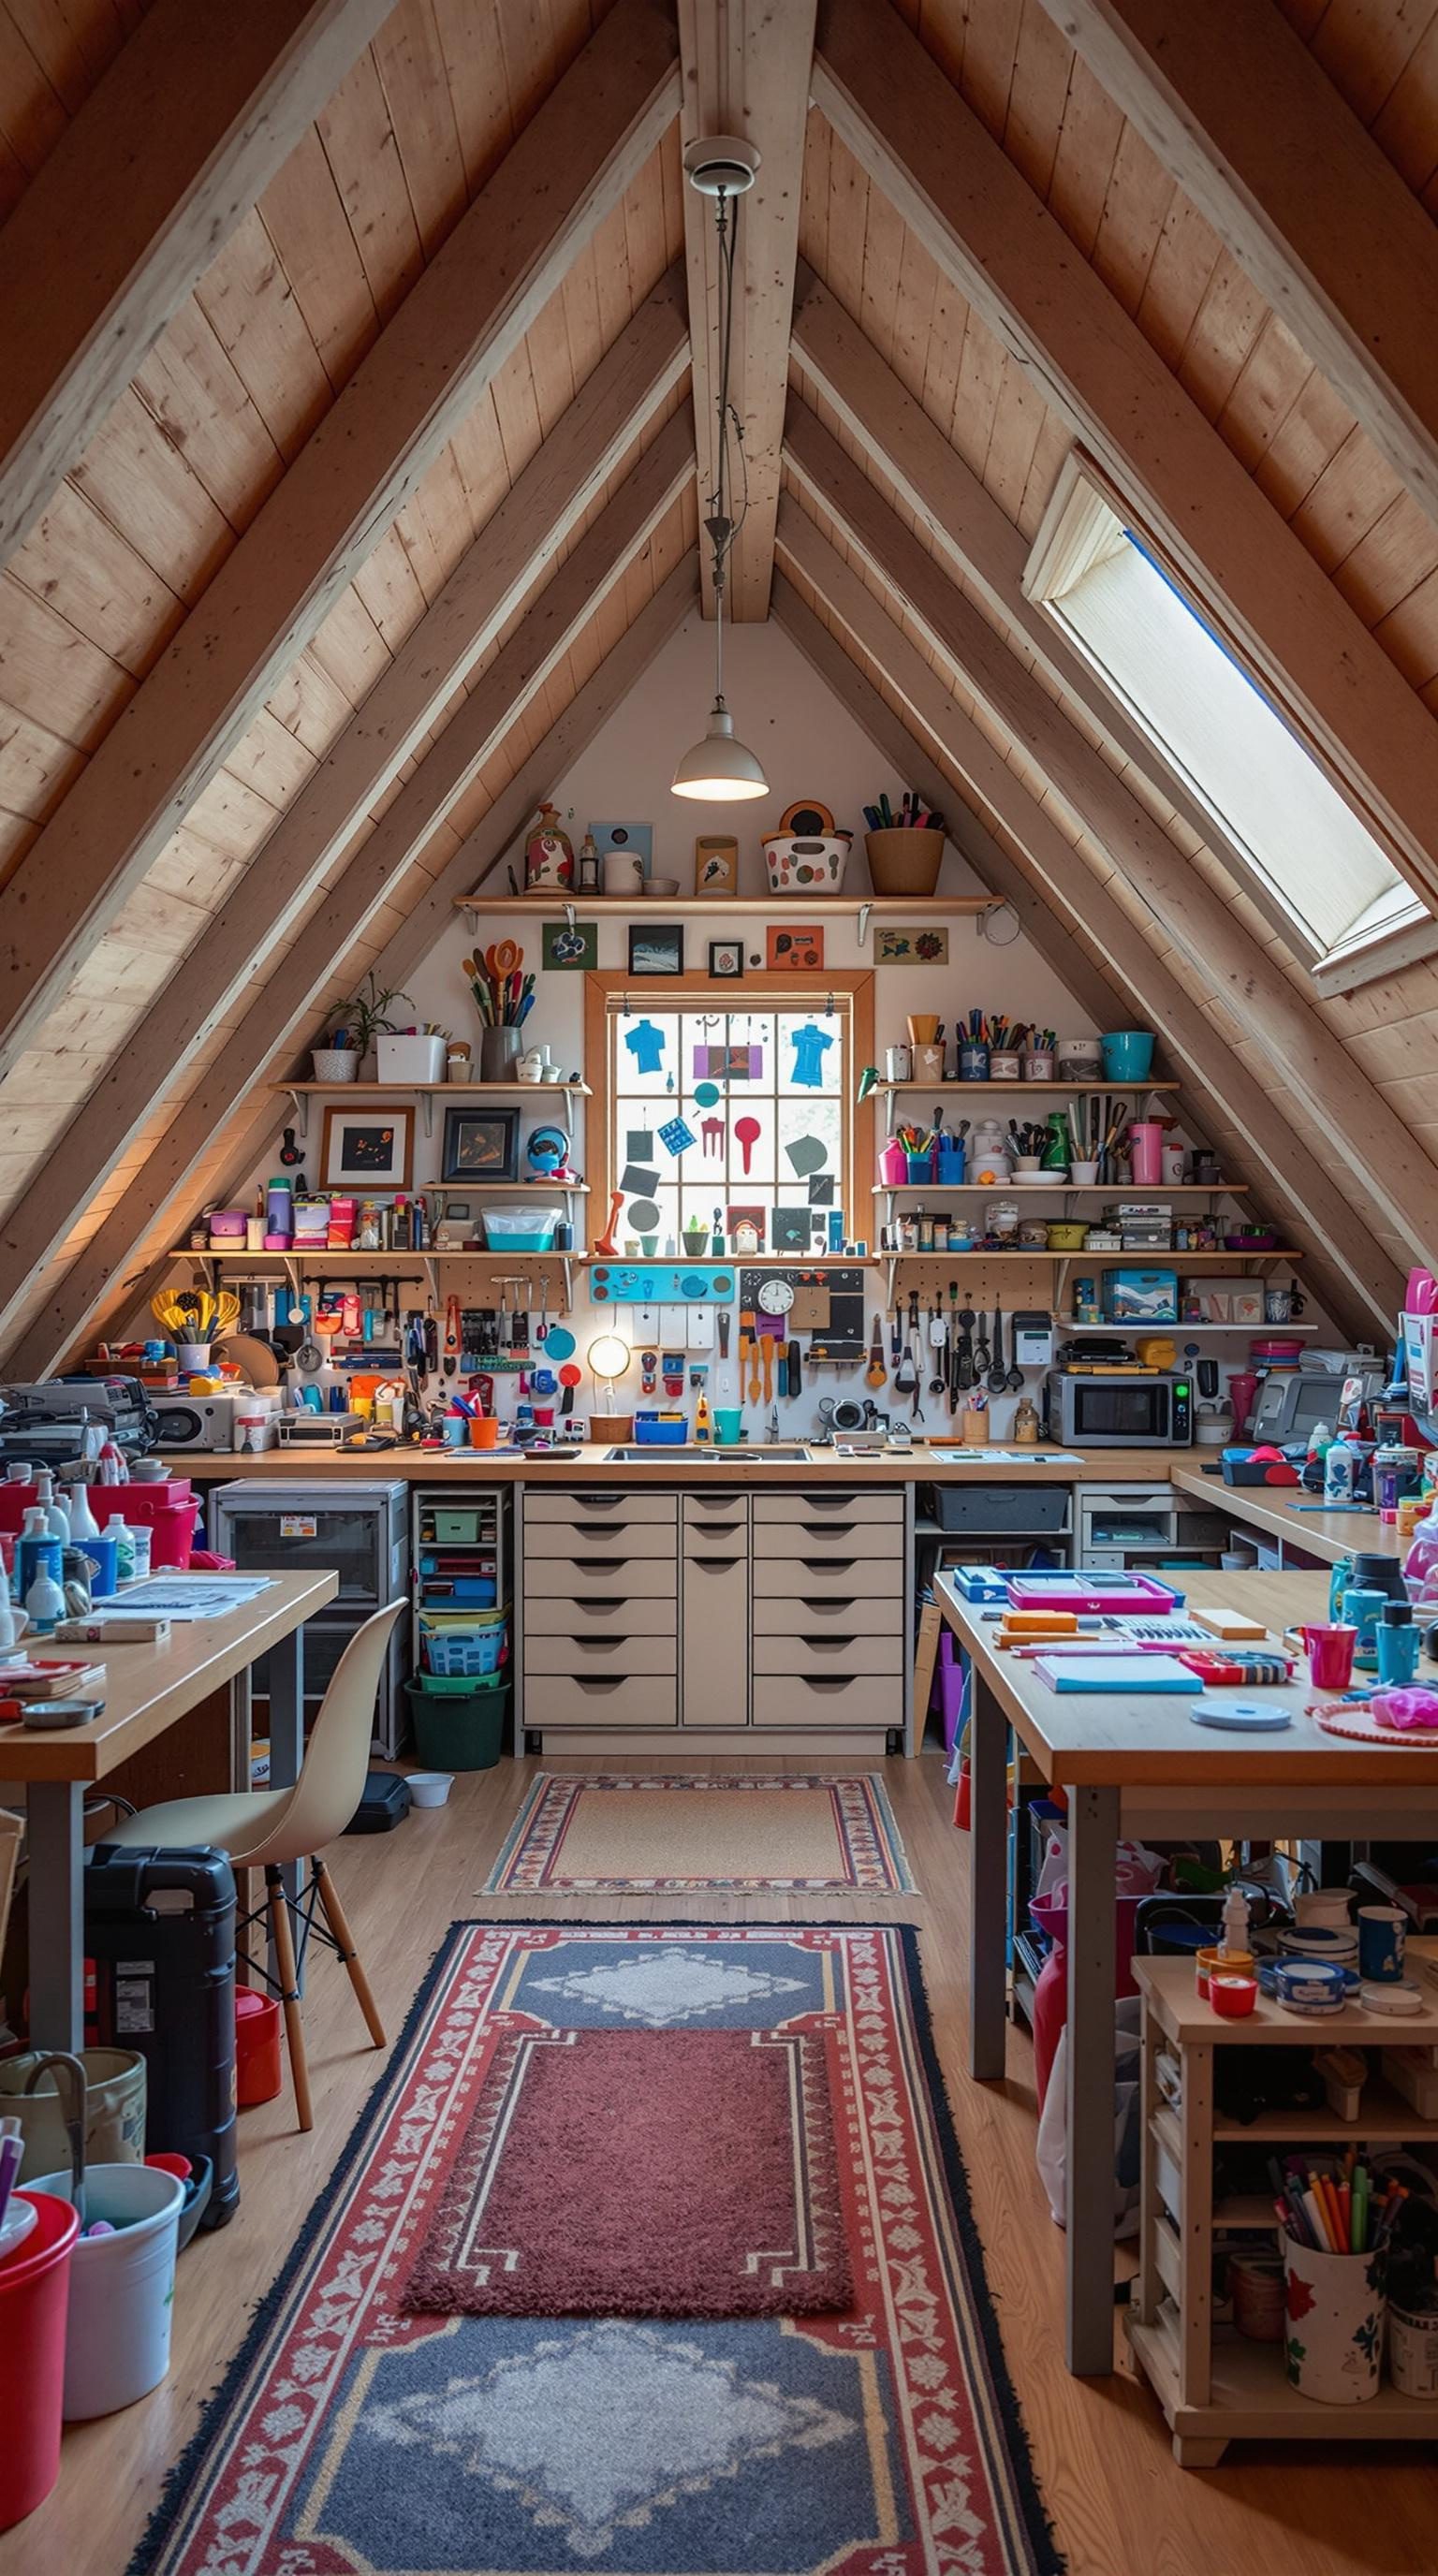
point(746, 66)
point(460, 321)
point(262, 1049)
point(1293, 1177)
point(534, 519)
point(974, 213)
point(1367, 1132)
point(1244, 117)
point(143, 189)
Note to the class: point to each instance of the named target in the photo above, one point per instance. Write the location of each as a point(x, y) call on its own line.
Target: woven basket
point(335, 1064)
point(903, 862)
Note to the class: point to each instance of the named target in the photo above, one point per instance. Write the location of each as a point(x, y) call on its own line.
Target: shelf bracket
point(567, 1260)
point(431, 1277)
point(569, 916)
point(863, 922)
point(426, 1099)
point(300, 1104)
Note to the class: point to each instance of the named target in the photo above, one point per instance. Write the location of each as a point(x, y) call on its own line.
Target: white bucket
point(122, 2287)
point(1335, 2322)
point(1413, 2351)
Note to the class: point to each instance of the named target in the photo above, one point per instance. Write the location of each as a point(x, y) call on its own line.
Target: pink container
point(1330, 1656)
point(1146, 1148)
point(227, 1225)
point(894, 1165)
point(34, 2304)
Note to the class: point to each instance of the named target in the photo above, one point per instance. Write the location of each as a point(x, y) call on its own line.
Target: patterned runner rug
point(665, 1834)
point(880, 2440)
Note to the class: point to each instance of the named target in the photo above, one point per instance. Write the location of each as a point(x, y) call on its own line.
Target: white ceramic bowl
point(665, 887)
point(430, 1788)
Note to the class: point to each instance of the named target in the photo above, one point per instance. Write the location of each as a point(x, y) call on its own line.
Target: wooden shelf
point(689, 907)
point(458, 1090)
point(1251, 2400)
point(1148, 1260)
point(1071, 1324)
point(1005, 1090)
point(1070, 1189)
point(1382, 2112)
point(370, 1265)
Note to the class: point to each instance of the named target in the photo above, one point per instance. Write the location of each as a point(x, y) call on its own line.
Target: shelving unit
point(300, 1094)
point(858, 908)
point(1006, 1090)
point(299, 1266)
point(1070, 1189)
point(1123, 1332)
point(1215, 2386)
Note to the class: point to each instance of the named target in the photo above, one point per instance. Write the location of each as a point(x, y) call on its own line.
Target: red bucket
point(258, 2076)
point(34, 2297)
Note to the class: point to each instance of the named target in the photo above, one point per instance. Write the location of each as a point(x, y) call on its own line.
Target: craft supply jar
point(973, 1063)
point(1039, 1067)
point(1413, 2350)
point(923, 1028)
point(928, 1064)
point(1004, 1066)
point(898, 1064)
point(926, 1231)
point(1336, 2313)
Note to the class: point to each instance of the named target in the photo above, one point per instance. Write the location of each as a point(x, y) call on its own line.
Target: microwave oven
point(1099, 1411)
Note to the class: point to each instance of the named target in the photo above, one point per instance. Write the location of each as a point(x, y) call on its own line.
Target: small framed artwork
point(803, 947)
point(793, 1229)
point(657, 949)
point(895, 945)
point(480, 1145)
point(570, 949)
point(636, 838)
point(372, 1148)
point(744, 1226)
point(726, 960)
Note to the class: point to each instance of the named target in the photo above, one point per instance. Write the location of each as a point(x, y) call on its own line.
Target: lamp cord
point(721, 529)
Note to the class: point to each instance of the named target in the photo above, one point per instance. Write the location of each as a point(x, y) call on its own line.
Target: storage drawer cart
point(1214, 2385)
point(300, 1528)
point(461, 1592)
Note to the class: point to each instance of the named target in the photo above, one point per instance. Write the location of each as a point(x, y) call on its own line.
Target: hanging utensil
point(541, 1330)
point(998, 1376)
point(451, 1336)
point(916, 1410)
point(938, 1343)
point(964, 1373)
point(874, 1374)
point(982, 1353)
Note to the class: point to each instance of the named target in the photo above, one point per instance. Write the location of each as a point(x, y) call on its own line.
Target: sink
point(698, 1454)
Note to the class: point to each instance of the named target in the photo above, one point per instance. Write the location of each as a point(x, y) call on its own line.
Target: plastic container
point(115, 2086)
point(469, 1651)
point(460, 1733)
point(811, 863)
point(34, 2304)
point(122, 2287)
point(431, 1788)
point(1336, 2310)
point(1413, 2350)
point(520, 1229)
point(893, 1165)
point(1127, 1055)
point(903, 862)
point(259, 2075)
point(409, 1059)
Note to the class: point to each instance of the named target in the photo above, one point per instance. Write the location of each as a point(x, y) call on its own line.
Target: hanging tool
point(795, 1385)
point(451, 1336)
point(964, 1374)
point(916, 1410)
point(896, 1333)
point(648, 1372)
point(1015, 1379)
point(998, 1376)
point(905, 1376)
point(874, 1373)
point(569, 1378)
point(767, 1357)
point(722, 1321)
point(982, 1353)
point(542, 1328)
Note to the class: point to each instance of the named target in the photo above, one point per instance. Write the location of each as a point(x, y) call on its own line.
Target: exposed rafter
point(746, 71)
point(104, 1274)
point(468, 310)
point(535, 518)
point(975, 214)
point(1367, 1134)
point(1294, 1176)
point(113, 231)
point(1236, 106)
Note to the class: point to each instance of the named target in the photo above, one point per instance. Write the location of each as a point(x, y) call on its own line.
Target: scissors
point(503, 960)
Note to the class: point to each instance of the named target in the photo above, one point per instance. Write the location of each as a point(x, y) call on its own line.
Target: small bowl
point(1083, 1175)
point(430, 1788)
point(663, 887)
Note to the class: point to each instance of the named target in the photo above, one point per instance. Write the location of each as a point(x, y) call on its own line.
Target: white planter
point(335, 1064)
point(410, 1059)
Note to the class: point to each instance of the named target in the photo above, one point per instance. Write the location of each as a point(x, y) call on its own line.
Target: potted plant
point(353, 1026)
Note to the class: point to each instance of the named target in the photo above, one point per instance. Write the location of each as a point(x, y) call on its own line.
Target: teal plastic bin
point(458, 1730)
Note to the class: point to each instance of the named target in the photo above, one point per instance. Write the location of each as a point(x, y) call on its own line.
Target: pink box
point(1126, 1594)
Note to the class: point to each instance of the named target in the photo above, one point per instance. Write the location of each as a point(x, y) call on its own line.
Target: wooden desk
point(1283, 1512)
point(1140, 1766)
point(146, 1689)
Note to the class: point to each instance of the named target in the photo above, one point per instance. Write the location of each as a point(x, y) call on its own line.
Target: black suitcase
point(160, 1927)
point(385, 1804)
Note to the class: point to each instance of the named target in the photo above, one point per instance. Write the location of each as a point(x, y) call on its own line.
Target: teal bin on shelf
point(459, 1730)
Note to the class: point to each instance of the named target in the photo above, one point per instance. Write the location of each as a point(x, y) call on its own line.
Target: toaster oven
point(1117, 1411)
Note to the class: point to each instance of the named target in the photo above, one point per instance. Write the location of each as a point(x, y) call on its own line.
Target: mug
point(1281, 1305)
point(1330, 1656)
point(1382, 1934)
point(728, 1425)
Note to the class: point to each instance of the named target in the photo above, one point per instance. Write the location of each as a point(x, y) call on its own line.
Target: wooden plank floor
point(1120, 2505)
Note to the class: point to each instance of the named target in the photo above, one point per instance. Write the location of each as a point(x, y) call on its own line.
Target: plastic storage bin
point(993, 1509)
point(462, 1731)
point(521, 1229)
point(34, 2300)
point(469, 1651)
point(812, 863)
point(122, 2287)
point(409, 1059)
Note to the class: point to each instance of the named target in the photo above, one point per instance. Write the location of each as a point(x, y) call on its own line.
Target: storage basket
point(904, 862)
point(335, 1064)
point(409, 1058)
point(463, 1733)
point(466, 1652)
point(810, 863)
point(453, 1685)
point(520, 1229)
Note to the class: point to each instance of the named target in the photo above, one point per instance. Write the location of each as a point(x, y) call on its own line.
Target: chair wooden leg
point(289, 1994)
point(335, 1917)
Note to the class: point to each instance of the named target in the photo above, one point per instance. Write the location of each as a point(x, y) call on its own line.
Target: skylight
point(1333, 885)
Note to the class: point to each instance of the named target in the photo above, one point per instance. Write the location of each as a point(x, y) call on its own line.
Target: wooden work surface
point(1280, 1511)
point(1148, 1740)
point(668, 1466)
point(148, 1687)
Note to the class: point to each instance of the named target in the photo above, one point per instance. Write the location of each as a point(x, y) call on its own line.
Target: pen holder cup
point(921, 1169)
point(1336, 2308)
point(952, 1163)
point(973, 1064)
point(893, 1166)
point(904, 862)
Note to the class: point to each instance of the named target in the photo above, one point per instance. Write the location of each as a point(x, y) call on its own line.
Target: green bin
point(458, 1731)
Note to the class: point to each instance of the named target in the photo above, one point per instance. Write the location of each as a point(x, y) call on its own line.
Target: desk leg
point(287, 1749)
point(988, 1881)
point(57, 1913)
point(1093, 1835)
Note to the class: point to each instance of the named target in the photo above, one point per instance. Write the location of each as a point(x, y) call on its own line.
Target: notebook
point(1122, 1675)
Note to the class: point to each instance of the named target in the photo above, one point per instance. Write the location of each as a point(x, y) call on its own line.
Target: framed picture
point(803, 947)
point(371, 1148)
point(894, 945)
point(480, 1145)
point(567, 950)
point(726, 959)
point(638, 838)
point(657, 949)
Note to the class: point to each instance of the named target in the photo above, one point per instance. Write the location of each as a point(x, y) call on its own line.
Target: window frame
point(799, 988)
point(1062, 550)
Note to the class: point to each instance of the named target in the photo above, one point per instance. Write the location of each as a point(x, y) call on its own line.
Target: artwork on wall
point(716, 864)
point(480, 1145)
point(897, 945)
point(802, 947)
point(636, 838)
point(726, 959)
point(371, 1148)
point(657, 949)
point(572, 948)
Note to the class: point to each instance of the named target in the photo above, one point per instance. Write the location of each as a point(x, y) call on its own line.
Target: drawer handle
point(714, 1531)
point(715, 1565)
point(712, 1502)
point(598, 1564)
point(828, 1502)
point(598, 1502)
point(825, 1609)
point(829, 1564)
point(599, 1601)
point(810, 1682)
point(826, 1645)
point(599, 1645)
point(816, 1530)
point(614, 1685)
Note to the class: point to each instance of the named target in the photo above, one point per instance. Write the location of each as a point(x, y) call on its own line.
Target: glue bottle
point(1339, 1468)
point(1234, 1943)
point(124, 1538)
point(45, 1602)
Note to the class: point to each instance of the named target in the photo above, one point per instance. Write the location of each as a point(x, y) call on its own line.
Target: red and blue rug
point(880, 2439)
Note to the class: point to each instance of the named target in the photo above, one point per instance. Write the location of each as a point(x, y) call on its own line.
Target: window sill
point(1367, 961)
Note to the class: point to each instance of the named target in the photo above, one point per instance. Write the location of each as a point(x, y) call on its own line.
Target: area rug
point(676, 1833)
point(883, 2440)
point(642, 2173)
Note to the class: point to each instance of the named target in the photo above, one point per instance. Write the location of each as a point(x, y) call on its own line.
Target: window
point(718, 1110)
point(1331, 887)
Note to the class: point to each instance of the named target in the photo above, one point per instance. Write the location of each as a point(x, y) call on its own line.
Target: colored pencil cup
point(904, 862)
point(1336, 2311)
point(484, 1431)
point(1330, 1654)
point(893, 1165)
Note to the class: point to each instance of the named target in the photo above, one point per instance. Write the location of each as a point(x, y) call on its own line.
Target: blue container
point(952, 1163)
point(660, 1430)
point(1127, 1055)
point(973, 1063)
point(104, 1555)
point(921, 1169)
point(31, 1554)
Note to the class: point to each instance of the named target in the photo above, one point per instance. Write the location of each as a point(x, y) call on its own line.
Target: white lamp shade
point(720, 770)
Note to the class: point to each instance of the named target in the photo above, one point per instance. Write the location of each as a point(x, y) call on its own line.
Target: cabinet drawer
point(711, 1539)
point(830, 1502)
point(598, 1657)
point(811, 1615)
point(716, 1505)
point(716, 1625)
point(869, 1541)
point(574, 1578)
point(599, 1614)
point(616, 1538)
point(807, 1652)
point(580, 1504)
point(563, 1699)
point(858, 1700)
point(841, 1577)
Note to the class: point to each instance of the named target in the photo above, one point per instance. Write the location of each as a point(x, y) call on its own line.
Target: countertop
point(744, 1466)
point(1282, 1511)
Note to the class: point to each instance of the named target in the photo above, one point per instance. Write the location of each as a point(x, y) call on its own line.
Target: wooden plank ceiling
point(410, 712)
